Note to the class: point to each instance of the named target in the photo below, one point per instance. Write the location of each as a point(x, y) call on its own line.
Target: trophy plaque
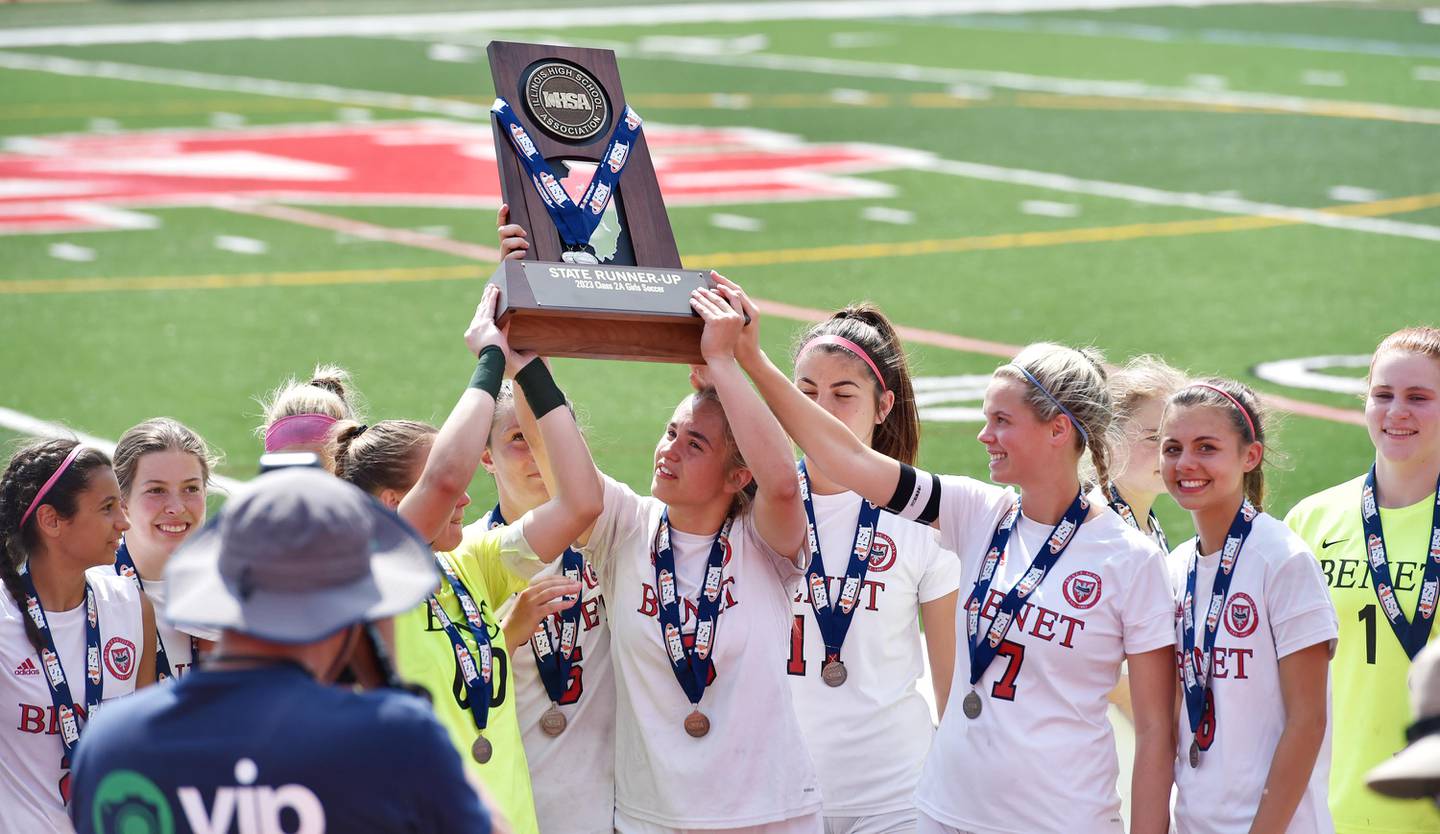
point(602, 277)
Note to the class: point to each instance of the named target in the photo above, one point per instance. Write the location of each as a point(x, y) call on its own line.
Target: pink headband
point(40, 496)
point(1254, 435)
point(297, 430)
point(846, 344)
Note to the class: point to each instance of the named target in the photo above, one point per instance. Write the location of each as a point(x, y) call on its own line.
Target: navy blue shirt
point(269, 749)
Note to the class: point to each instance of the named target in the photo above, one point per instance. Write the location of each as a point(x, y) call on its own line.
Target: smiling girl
point(163, 469)
point(72, 634)
point(1056, 593)
point(1254, 626)
point(1378, 540)
point(855, 652)
point(698, 579)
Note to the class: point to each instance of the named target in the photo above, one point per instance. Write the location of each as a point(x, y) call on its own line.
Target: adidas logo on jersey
point(27, 668)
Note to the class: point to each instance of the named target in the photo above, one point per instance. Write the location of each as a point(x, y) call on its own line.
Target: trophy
point(602, 277)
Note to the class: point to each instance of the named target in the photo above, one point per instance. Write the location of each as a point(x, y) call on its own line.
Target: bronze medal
point(971, 705)
point(553, 721)
point(833, 673)
point(1194, 754)
point(481, 750)
point(696, 724)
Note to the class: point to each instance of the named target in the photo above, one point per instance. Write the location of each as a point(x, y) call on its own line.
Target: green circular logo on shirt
point(128, 803)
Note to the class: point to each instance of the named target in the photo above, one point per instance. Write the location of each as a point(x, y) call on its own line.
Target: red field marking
point(413, 163)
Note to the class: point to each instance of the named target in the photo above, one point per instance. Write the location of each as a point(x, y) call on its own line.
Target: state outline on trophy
point(563, 105)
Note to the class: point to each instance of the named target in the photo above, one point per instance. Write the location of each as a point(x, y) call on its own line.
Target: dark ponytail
point(29, 468)
point(898, 436)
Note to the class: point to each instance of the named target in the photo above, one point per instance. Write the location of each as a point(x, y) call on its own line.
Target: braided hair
point(29, 468)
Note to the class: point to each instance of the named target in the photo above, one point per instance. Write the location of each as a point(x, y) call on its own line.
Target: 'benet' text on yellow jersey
point(1370, 705)
point(424, 655)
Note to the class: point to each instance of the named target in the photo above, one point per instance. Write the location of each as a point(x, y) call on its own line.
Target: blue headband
point(1051, 397)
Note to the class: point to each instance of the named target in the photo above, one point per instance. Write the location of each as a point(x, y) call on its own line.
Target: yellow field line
point(1008, 240)
point(1059, 237)
point(1396, 205)
point(253, 279)
point(726, 260)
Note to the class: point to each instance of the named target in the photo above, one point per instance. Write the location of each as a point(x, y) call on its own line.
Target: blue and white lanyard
point(555, 638)
point(474, 669)
point(575, 222)
point(125, 566)
point(1414, 633)
point(1197, 663)
point(982, 652)
point(834, 620)
point(60, 696)
point(1124, 510)
point(691, 665)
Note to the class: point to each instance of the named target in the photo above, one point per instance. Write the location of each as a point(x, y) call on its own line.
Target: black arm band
point(490, 372)
point(540, 389)
point(917, 495)
point(1422, 728)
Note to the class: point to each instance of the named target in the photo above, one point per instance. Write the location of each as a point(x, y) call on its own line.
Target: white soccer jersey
point(878, 715)
point(1278, 604)
point(1041, 756)
point(572, 774)
point(31, 781)
point(752, 767)
point(177, 642)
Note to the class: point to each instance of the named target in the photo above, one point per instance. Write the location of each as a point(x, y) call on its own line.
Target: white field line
point(1056, 85)
point(35, 427)
point(72, 252)
point(1166, 34)
point(243, 84)
point(923, 161)
point(1180, 199)
point(578, 16)
point(950, 77)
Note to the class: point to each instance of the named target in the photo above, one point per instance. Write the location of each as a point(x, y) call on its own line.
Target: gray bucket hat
point(295, 556)
point(1414, 772)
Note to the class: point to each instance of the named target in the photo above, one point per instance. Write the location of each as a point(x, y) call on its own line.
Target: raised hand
point(723, 324)
point(545, 596)
point(513, 245)
point(516, 359)
point(748, 345)
point(483, 331)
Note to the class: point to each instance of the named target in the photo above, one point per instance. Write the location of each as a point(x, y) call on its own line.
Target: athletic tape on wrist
point(490, 371)
point(539, 388)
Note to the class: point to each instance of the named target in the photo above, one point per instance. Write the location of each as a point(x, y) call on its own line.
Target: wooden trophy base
point(588, 311)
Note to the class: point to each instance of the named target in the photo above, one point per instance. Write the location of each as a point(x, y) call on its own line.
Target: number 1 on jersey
point(1367, 616)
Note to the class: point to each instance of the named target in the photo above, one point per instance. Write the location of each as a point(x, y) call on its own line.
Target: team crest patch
point(120, 658)
point(1241, 618)
point(1082, 589)
point(882, 553)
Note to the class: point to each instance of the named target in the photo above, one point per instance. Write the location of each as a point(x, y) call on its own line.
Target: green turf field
point(1184, 139)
